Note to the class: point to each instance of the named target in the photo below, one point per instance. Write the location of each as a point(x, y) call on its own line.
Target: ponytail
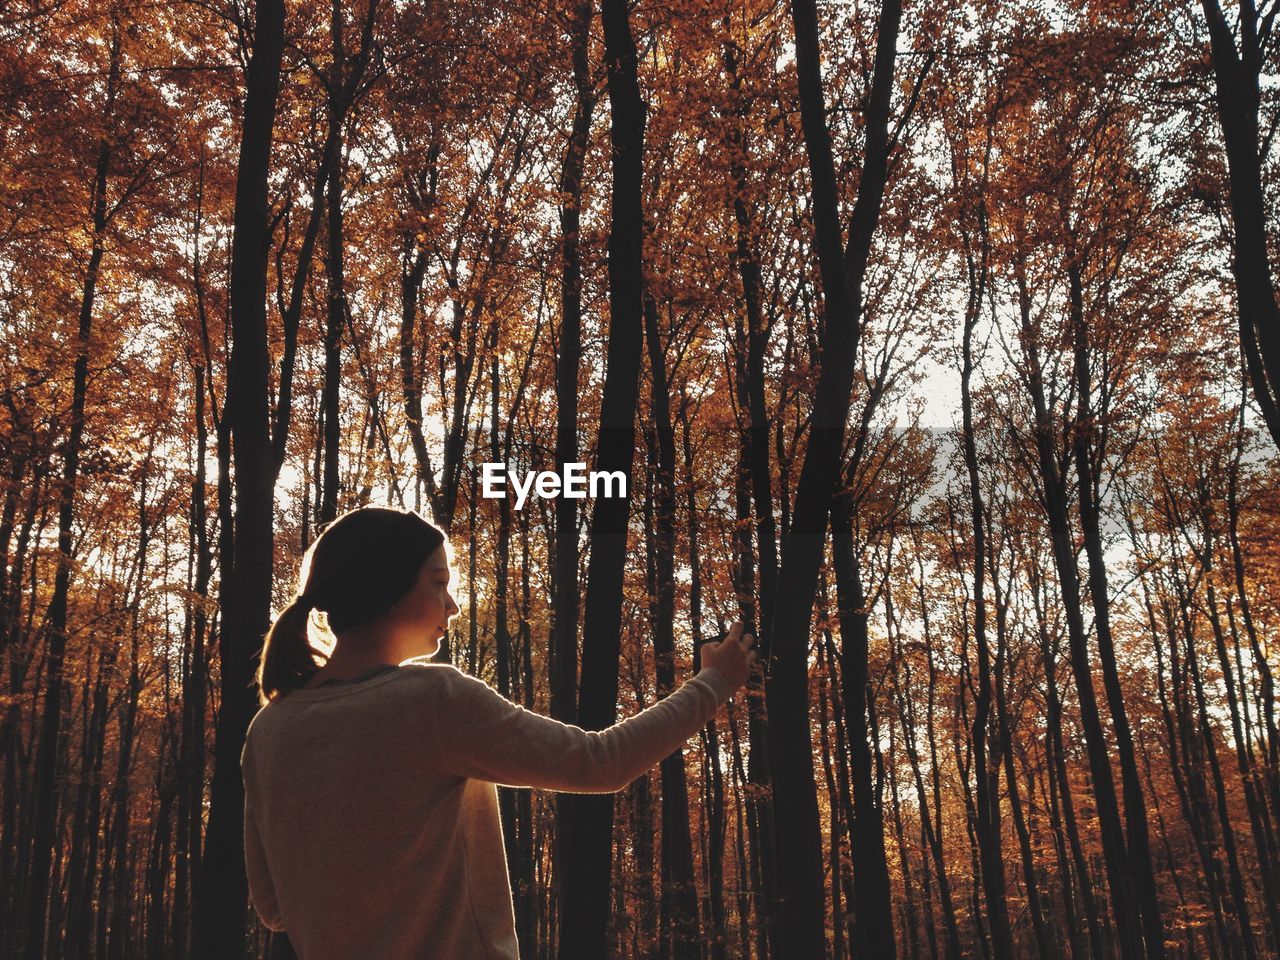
point(288, 658)
point(361, 564)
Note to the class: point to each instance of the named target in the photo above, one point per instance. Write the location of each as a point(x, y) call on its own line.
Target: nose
point(452, 606)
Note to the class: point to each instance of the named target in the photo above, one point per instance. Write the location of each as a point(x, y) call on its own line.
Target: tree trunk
point(585, 885)
point(564, 628)
point(1238, 73)
point(1059, 785)
point(1124, 902)
point(873, 908)
point(246, 596)
point(800, 894)
point(986, 747)
point(45, 798)
point(679, 890)
point(713, 772)
point(1087, 427)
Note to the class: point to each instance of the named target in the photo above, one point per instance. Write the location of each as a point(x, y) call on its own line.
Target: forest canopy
point(938, 341)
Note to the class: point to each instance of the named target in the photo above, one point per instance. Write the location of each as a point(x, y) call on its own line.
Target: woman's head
point(362, 564)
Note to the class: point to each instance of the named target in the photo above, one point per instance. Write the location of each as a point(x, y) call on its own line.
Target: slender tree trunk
point(835, 821)
point(1124, 898)
point(679, 890)
point(931, 819)
point(82, 857)
point(336, 299)
point(986, 748)
point(1046, 947)
point(564, 628)
point(158, 857)
point(1085, 442)
point(1259, 828)
point(1060, 786)
point(12, 843)
point(801, 921)
point(45, 773)
point(755, 457)
point(120, 902)
point(523, 869)
point(1184, 748)
point(713, 775)
point(1261, 663)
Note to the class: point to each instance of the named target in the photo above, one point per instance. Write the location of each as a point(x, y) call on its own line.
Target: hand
point(732, 656)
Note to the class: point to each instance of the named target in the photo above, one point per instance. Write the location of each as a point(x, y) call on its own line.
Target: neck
point(354, 653)
point(367, 646)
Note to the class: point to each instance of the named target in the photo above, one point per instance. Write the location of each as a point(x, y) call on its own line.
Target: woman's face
point(430, 604)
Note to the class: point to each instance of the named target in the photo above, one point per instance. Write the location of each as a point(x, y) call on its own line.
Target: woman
point(371, 815)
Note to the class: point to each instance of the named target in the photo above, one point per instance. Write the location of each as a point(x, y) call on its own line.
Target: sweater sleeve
point(261, 891)
point(480, 734)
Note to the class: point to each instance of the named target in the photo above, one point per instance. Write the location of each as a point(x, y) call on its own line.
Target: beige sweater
point(371, 816)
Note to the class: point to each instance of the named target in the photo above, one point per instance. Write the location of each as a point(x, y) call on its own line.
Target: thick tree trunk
point(1238, 74)
point(246, 596)
point(585, 886)
point(17, 753)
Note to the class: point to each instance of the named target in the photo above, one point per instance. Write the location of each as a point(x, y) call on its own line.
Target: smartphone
point(716, 638)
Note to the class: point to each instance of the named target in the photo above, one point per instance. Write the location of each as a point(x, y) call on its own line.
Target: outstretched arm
point(482, 735)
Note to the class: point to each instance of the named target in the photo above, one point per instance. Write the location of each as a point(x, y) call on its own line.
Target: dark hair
point(359, 566)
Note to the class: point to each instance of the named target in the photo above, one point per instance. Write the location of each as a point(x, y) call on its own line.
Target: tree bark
point(679, 891)
point(564, 628)
point(1237, 73)
point(986, 747)
point(1085, 441)
point(585, 886)
point(873, 908)
point(45, 772)
point(800, 894)
point(246, 597)
point(1126, 909)
point(345, 75)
